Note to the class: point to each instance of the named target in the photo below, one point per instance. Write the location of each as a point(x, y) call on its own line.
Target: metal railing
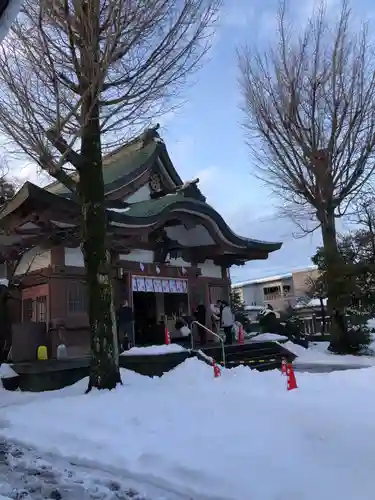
point(221, 340)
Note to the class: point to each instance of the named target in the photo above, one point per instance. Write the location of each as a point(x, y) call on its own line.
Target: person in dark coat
point(125, 320)
point(200, 316)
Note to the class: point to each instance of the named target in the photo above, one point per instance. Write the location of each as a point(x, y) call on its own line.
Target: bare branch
point(309, 107)
point(309, 110)
point(146, 52)
point(75, 76)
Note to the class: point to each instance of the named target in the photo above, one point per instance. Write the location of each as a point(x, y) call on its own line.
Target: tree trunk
point(104, 366)
point(334, 282)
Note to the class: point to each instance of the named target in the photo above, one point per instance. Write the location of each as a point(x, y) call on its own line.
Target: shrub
point(354, 341)
point(243, 319)
point(268, 323)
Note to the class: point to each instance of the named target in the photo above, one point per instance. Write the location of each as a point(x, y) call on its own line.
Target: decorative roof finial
point(151, 134)
point(186, 185)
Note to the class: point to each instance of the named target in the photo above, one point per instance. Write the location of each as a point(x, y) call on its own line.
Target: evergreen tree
point(269, 322)
point(357, 286)
point(239, 309)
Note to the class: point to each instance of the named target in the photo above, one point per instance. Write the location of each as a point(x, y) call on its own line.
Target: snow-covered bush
point(357, 337)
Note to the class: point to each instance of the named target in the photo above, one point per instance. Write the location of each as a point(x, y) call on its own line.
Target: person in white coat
point(227, 320)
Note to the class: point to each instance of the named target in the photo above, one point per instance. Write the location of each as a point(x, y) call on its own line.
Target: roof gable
point(117, 168)
point(60, 217)
point(132, 161)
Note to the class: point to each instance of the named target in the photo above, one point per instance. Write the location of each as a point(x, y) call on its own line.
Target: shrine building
point(171, 250)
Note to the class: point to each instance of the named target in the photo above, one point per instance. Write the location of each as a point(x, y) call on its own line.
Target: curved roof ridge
point(155, 207)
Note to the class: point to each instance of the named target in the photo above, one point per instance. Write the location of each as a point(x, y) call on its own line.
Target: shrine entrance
point(158, 302)
point(145, 317)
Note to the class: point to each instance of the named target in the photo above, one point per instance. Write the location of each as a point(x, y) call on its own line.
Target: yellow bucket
point(42, 353)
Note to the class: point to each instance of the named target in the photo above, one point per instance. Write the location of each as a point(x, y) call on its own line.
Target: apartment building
point(278, 291)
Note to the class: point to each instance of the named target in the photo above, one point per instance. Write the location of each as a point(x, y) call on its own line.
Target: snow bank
point(264, 337)
point(240, 436)
point(317, 353)
point(154, 350)
point(6, 371)
point(12, 398)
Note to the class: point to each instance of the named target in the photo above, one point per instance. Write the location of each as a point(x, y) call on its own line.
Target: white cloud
point(206, 178)
point(295, 252)
point(237, 15)
point(298, 13)
point(30, 172)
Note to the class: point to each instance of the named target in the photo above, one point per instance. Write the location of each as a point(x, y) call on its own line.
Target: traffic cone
point(292, 382)
point(217, 371)
point(241, 335)
point(167, 338)
point(283, 366)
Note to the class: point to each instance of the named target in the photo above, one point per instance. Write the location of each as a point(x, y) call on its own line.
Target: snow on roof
point(311, 303)
point(268, 279)
point(262, 280)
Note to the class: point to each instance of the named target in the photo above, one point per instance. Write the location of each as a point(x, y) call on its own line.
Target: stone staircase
point(261, 356)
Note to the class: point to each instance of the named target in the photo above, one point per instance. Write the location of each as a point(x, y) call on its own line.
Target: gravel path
point(324, 368)
point(26, 476)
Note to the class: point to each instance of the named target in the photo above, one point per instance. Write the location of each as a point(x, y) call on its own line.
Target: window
point(41, 309)
point(272, 292)
point(77, 298)
point(27, 310)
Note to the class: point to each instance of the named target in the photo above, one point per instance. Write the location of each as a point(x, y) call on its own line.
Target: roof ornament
point(151, 134)
point(187, 185)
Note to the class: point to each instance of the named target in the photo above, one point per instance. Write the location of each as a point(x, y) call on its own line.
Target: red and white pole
point(217, 371)
point(241, 335)
point(283, 366)
point(291, 378)
point(167, 337)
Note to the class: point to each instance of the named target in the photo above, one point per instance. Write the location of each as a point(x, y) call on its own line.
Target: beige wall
point(301, 280)
point(254, 293)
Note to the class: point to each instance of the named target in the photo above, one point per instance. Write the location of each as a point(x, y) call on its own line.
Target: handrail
point(212, 333)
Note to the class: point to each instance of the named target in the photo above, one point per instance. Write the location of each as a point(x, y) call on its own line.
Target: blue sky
point(205, 138)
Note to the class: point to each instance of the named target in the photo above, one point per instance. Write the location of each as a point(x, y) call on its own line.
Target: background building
point(278, 291)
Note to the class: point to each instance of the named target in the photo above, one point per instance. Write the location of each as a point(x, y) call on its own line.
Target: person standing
point(200, 316)
point(227, 321)
point(125, 320)
point(215, 318)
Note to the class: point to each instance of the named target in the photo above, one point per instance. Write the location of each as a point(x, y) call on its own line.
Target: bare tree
point(76, 79)
point(310, 123)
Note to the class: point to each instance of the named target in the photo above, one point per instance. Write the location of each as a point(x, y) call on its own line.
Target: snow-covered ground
point(318, 353)
point(239, 436)
point(266, 337)
point(25, 475)
point(154, 350)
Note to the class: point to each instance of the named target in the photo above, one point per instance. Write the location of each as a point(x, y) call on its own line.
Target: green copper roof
point(150, 211)
point(117, 169)
point(149, 214)
point(149, 208)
